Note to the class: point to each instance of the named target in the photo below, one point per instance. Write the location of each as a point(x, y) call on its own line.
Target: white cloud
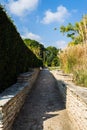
point(59, 16)
point(61, 44)
point(32, 36)
point(19, 7)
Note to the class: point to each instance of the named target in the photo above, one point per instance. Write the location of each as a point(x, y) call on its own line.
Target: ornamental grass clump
point(74, 60)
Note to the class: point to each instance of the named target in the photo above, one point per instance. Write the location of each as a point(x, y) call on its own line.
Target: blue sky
point(36, 19)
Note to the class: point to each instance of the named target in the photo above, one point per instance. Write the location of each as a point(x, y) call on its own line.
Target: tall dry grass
point(74, 60)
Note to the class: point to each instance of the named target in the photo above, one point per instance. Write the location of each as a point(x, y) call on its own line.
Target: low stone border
point(75, 98)
point(12, 99)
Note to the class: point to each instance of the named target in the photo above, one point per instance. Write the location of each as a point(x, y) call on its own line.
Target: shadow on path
point(42, 104)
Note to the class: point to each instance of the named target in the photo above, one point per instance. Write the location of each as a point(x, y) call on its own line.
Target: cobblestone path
point(44, 108)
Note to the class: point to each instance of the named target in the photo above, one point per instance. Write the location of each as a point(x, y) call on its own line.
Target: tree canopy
point(52, 56)
point(48, 55)
point(77, 32)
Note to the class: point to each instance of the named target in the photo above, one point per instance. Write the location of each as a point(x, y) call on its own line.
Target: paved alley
point(44, 108)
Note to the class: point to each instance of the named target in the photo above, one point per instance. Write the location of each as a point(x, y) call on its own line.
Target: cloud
point(32, 36)
point(59, 16)
point(18, 7)
point(61, 44)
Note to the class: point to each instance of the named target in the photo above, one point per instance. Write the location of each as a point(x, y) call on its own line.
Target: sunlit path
point(44, 108)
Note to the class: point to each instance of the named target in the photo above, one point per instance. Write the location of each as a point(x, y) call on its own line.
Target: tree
point(55, 62)
point(77, 32)
point(48, 55)
point(51, 58)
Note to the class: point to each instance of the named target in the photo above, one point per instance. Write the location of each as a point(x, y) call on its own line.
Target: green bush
point(15, 57)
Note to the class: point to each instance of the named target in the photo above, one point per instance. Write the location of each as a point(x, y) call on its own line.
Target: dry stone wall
point(12, 99)
point(75, 98)
point(76, 105)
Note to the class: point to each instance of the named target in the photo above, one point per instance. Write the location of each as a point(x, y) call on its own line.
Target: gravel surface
point(44, 108)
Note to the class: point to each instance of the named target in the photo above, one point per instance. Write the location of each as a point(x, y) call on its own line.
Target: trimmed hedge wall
point(15, 57)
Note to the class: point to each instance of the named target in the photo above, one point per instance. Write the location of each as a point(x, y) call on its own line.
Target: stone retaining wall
point(75, 98)
point(12, 99)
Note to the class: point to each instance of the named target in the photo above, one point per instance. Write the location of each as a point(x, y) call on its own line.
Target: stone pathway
point(44, 108)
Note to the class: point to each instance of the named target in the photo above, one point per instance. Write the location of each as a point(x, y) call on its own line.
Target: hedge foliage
point(37, 48)
point(15, 57)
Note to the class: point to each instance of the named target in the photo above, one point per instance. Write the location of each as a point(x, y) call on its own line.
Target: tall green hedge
point(15, 57)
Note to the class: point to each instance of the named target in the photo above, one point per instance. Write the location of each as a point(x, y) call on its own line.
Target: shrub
point(70, 57)
point(80, 75)
point(74, 60)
